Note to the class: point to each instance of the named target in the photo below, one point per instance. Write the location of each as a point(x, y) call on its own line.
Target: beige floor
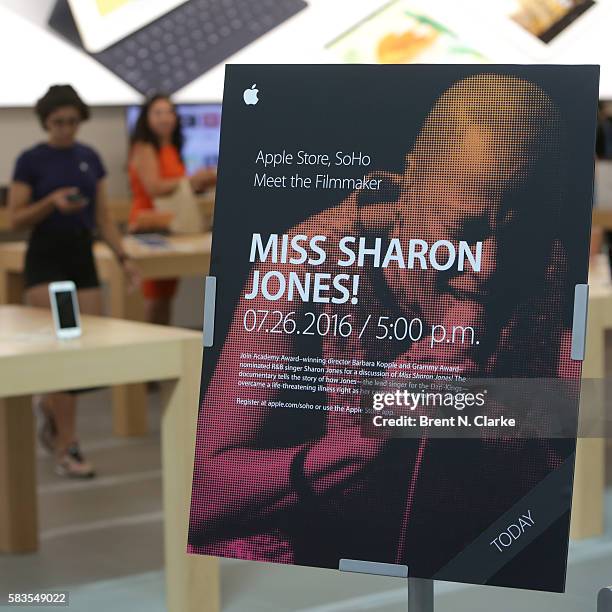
point(100, 529)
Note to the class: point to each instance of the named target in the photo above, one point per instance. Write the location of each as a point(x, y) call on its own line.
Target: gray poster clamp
point(210, 298)
point(420, 592)
point(581, 307)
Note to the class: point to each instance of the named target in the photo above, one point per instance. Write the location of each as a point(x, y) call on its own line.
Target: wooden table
point(186, 256)
point(589, 481)
point(110, 352)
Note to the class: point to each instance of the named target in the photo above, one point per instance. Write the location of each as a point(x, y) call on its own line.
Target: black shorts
point(59, 255)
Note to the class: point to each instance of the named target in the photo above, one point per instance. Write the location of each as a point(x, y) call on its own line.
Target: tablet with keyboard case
point(178, 47)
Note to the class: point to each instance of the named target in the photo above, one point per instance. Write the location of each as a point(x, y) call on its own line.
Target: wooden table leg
point(589, 481)
point(129, 401)
point(192, 581)
point(11, 287)
point(18, 503)
point(589, 484)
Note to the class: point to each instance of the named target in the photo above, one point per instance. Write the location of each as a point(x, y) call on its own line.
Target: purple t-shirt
point(45, 168)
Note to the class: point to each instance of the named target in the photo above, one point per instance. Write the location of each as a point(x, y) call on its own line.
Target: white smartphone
point(65, 308)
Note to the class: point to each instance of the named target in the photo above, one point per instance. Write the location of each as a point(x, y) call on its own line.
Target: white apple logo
point(250, 95)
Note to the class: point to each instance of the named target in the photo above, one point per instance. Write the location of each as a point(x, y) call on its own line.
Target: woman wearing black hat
point(58, 190)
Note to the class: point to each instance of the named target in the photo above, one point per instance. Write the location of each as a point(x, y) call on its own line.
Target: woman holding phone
point(58, 190)
point(156, 169)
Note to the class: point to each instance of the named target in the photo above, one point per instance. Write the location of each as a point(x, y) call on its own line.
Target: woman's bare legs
point(158, 310)
point(61, 407)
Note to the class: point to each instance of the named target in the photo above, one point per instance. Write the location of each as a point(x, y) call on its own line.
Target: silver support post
point(420, 595)
point(420, 591)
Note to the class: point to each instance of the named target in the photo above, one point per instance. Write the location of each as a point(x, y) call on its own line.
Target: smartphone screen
point(65, 309)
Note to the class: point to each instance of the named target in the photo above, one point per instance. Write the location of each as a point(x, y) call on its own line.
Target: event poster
point(396, 251)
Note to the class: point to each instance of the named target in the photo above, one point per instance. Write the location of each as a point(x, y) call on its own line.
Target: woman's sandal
point(72, 464)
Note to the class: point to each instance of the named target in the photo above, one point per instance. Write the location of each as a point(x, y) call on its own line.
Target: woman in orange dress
point(156, 169)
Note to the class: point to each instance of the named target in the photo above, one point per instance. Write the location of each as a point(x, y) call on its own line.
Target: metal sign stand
point(420, 591)
point(420, 595)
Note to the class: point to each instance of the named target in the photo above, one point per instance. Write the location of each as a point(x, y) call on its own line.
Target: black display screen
point(65, 309)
